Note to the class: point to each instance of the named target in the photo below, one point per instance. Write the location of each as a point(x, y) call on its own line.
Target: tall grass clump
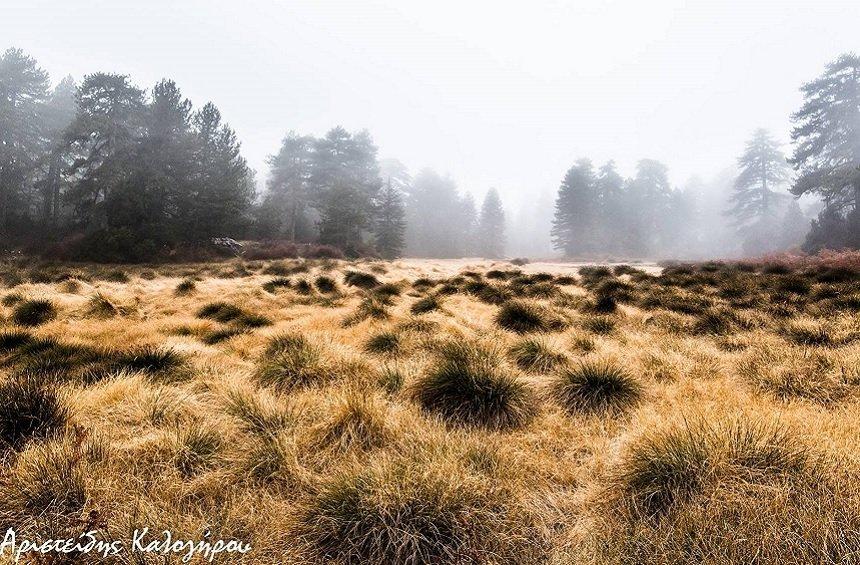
point(360, 280)
point(383, 343)
point(357, 420)
point(536, 355)
point(260, 413)
point(34, 312)
point(521, 317)
point(468, 385)
point(291, 361)
point(595, 387)
point(667, 467)
point(426, 304)
point(186, 287)
point(29, 409)
point(408, 512)
point(100, 306)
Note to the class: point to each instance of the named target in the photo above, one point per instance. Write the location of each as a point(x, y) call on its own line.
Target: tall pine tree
point(827, 152)
point(390, 222)
point(756, 205)
point(576, 210)
point(491, 226)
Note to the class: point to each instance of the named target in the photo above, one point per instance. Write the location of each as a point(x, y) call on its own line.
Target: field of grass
point(437, 411)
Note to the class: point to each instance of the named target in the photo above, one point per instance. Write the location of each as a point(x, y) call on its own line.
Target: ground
point(437, 411)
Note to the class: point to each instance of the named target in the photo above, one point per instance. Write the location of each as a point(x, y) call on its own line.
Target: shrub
point(426, 304)
point(291, 361)
point(596, 386)
point(519, 261)
point(523, 317)
point(34, 312)
point(536, 355)
point(467, 385)
point(29, 409)
point(360, 280)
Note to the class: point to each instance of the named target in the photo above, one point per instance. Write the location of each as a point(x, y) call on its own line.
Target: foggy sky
point(496, 94)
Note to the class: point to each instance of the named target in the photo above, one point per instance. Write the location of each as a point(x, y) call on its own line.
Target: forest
point(103, 170)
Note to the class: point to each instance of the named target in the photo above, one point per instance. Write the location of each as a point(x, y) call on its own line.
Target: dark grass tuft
point(303, 286)
point(29, 409)
point(152, 360)
point(401, 513)
point(426, 304)
point(596, 387)
point(100, 306)
point(276, 283)
point(11, 299)
point(326, 285)
point(383, 343)
point(186, 287)
point(523, 317)
point(216, 336)
point(34, 312)
point(14, 339)
point(468, 385)
point(360, 280)
point(220, 312)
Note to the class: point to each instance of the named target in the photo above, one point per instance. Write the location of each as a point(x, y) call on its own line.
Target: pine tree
point(576, 210)
point(344, 180)
point(648, 206)
point(390, 224)
point(288, 197)
point(23, 93)
point(435, 217)
point(491, 226)
point(763, 169)
point(827, 151)
point(756, 205)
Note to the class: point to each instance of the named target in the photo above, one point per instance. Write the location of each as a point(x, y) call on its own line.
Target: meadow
point(421, 411)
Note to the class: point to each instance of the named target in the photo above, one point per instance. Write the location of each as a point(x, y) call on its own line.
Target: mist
point(472, 117)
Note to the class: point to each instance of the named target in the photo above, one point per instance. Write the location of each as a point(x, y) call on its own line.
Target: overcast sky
point(504, 94)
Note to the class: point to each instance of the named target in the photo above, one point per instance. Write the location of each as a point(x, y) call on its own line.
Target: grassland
point(437, 412)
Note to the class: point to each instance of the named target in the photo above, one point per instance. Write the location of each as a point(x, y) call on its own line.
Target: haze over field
point(497, 94)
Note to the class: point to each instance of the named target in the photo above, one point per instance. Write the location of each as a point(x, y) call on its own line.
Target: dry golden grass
point(437, 411)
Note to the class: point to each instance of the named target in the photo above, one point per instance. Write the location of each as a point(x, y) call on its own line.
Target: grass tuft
point(596, 387)
point(468, 385)
point(34, 312)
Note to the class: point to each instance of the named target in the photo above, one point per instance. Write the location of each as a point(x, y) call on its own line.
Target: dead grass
point(439, 411)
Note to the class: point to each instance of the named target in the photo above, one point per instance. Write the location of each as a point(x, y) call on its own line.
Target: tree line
point(598, 213)
point(105, 170)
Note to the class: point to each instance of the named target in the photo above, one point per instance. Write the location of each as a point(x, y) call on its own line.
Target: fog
point(492, 95)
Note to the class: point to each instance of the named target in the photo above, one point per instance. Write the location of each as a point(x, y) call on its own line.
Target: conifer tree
point(491, 226)
point(390, 224)
point(827, 152)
